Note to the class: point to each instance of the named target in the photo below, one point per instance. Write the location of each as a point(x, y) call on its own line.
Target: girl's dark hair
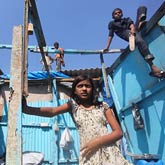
point(95, 94)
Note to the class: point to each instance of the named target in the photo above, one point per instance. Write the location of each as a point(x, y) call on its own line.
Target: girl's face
point(84, 90)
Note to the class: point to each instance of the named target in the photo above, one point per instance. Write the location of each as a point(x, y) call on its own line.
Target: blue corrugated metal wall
point(132, 84)
point(69, 156)
point(3, 130)
point(39, 134)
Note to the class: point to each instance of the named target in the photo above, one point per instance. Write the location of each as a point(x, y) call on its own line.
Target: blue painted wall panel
point(70, 155)
point(44, 139)
point(38, 134)
point(132, 84)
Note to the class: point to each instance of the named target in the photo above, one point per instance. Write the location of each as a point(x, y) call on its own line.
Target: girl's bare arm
point(44, 111)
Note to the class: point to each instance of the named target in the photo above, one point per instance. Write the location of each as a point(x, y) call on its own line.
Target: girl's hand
point(91, 147)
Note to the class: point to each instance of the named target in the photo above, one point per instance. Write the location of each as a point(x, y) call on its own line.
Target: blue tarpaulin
point(39, 75)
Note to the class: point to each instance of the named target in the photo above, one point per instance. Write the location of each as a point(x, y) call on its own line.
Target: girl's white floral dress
point(90, 124)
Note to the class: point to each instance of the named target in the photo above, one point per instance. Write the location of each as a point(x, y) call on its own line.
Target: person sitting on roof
point(124, 27)
point(59, 57)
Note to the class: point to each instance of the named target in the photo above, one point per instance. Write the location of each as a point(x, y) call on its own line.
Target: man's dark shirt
point(118, 26)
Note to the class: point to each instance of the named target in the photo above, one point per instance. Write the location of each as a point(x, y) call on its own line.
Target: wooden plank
point(14, 140)
point(34, 17)
point(25, 48)
point(104, 76)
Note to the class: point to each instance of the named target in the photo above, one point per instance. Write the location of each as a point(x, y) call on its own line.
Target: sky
point(75, 24)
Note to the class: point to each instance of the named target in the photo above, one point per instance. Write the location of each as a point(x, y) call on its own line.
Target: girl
point(97, 144)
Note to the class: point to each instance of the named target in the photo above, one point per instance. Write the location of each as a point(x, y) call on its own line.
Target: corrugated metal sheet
point(39, 135)
point(92, 72)
point(132, 84)
point(69, 156)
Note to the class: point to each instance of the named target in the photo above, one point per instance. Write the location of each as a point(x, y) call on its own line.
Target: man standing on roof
point(124, 27)
point(59, 57)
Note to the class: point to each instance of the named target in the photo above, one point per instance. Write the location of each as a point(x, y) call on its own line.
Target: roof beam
point(50, 49)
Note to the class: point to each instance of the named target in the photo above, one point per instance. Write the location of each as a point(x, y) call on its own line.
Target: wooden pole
point(25, 49)
point(104, 76)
